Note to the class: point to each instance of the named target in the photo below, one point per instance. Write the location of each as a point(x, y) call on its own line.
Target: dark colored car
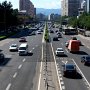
point(1, 57)
point(59, 36)
point(69, 69)
point(23, 39)
point(74, 38)
point(55, 38)
point(85, 59)
point(51, 31)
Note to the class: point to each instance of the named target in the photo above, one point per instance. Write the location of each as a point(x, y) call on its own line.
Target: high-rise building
point(85, 5)
point(70, 7)
point(88, 6)
point(28, 6)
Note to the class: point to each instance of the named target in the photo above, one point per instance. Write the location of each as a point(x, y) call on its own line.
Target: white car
point(13, 47)
point(39, 32)
point(59, 51)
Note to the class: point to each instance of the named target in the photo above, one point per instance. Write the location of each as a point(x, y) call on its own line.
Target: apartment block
point(28, 6)
point(70, 7)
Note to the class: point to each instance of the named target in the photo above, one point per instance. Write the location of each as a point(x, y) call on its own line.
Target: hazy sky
point(38, 3)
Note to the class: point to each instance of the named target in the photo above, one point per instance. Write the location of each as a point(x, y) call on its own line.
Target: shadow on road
point(77, 76)
point(5, 61)
point(81, 53)
point(62, 55)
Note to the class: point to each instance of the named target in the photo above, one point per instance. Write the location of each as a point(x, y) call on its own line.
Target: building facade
point(70, 7)
point(88, 6)
point(28, 6)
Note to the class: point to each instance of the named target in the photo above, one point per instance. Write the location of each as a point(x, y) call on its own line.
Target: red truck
point(74, 45)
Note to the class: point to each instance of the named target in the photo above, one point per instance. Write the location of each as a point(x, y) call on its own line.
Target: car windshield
point(59, 50)
point(87, 58)
point(13, 46)
point(69, 66)
point(22, 48)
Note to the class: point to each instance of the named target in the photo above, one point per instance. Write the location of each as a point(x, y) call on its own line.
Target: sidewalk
point(83, 37)
point(85, 40)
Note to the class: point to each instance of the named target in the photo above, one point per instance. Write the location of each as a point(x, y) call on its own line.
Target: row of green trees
point(8, 16)
point(82, 21)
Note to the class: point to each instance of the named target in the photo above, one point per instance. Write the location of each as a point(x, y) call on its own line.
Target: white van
point(23, 49)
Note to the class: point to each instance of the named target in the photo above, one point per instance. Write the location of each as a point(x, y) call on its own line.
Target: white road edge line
point(15, 75)
point(82, 74)
point(33, 48)
point(19, 66)
point(8, 87)
point(41, 61)
point(24, 60)
point(56, 68)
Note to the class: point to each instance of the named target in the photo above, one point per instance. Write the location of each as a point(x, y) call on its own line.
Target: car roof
point(70, 64)
point(13, 44)
point(60, 48)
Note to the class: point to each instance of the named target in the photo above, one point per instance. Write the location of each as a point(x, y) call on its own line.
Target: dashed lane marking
point(24, 60)
point(8, 87)
point(19, 66)
point(63, 87)
point(15, 75)
point(61, 78)
point(33, 48)
point(30, 51)
point(62, 82)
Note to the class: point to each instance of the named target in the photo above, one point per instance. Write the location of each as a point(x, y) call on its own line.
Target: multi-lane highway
point(21, 72)
point(27, 72)
point(82, 80)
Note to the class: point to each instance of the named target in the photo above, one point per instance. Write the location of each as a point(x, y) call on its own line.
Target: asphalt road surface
point(82, 80)
point(21, 72)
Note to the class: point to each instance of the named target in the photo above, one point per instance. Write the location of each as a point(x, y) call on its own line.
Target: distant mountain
point(48, 11)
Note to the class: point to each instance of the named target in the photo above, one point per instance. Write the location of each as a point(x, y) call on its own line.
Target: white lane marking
point(33, 48)
point(43, 36)
point(88, 47)
point(56, 67)
point(82, 74)
point(62, 82)
point(15, 75)
point(30, 51)
point(24, 60)
point(61, 78)
point(60, 75)
point(64, 62)
point(66, 50)
point(8, 87)
point(40, 70)
point(63, 87)
point(19, 66)
point(59, 72)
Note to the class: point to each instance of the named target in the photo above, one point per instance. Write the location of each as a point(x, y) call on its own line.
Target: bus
point(70, 31)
